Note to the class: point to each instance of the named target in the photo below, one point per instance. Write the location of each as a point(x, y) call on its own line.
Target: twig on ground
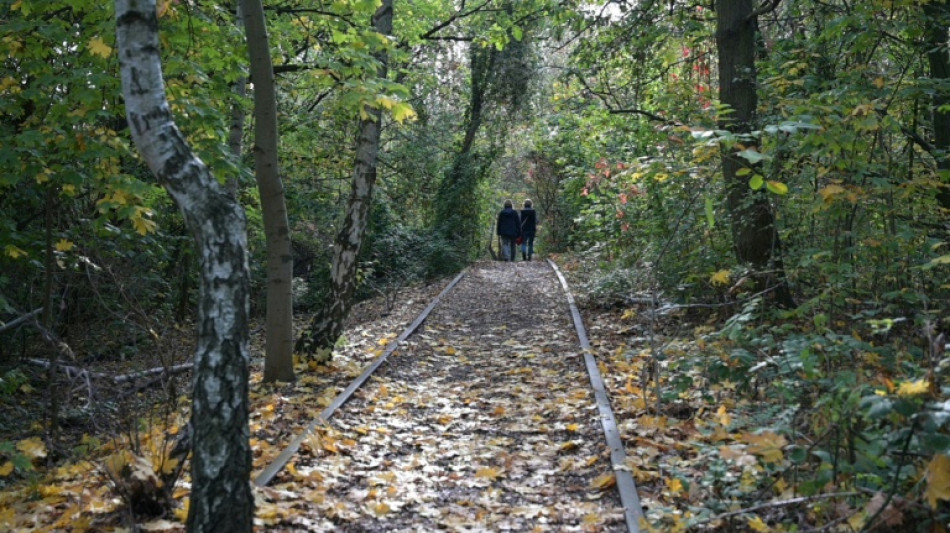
point(780, 503)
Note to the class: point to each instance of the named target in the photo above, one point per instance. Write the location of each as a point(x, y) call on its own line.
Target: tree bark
point(328, 324)
point(279, 342)
point(238, 116)
point(221, 498)
point(939, 61)
point(755, 238)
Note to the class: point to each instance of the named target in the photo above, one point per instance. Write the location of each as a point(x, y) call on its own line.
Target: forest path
point(483, 421)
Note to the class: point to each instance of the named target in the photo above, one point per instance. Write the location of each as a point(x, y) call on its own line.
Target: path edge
point(271, 470)
point(625, 484)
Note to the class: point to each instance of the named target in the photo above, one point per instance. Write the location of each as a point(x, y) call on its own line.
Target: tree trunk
point(221, 498)
point(279, 343)
point(939, 60)
point(755, 238)
point(327, 325)
point(238, 116)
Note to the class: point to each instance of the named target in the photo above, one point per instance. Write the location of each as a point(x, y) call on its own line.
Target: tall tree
point(279, 343)
point(755, 239)
point(221, 498)
point(938, 58)
point(327, 325)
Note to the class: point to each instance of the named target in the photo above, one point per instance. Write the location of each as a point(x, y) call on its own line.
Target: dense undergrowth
point(750, 417)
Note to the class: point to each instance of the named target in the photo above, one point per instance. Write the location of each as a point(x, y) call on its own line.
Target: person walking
point(529, 226)
point(508, 229)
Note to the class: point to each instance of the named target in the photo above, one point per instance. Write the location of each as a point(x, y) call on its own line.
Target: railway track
point(485, 414)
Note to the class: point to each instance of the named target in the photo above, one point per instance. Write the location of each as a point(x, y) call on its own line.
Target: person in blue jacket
point(529, 225)
point(508, 229)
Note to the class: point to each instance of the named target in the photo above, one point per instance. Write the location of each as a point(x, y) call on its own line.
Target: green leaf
point(942, 260)
point(756, 182)
point(752, 156)
point(710, 219)
point(744, 171)
point(776, 187)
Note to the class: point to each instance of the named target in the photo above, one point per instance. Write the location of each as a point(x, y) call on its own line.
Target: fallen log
point(75, 371)
point(20, 320)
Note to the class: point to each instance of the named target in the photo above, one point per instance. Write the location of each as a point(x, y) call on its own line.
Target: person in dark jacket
point(529, 225)
point(508, 229)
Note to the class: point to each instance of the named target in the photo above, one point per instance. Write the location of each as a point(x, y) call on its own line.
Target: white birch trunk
point(221, 498)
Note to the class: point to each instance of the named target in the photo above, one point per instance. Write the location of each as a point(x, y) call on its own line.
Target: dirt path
point(484, 421)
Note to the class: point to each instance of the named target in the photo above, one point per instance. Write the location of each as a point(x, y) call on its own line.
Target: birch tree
point(327, 325)
point(221, 498)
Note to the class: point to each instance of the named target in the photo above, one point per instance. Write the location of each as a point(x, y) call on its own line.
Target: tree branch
point(767, 7)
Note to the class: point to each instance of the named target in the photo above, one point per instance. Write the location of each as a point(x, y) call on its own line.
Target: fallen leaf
point(757, 524)
point(938, 480)
point(604, 481)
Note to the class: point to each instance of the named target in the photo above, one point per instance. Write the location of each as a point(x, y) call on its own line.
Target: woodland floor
point(483, 421)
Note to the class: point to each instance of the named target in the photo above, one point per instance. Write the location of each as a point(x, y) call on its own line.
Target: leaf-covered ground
point(483, 421)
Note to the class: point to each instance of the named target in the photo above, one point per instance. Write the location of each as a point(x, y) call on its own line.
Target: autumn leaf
point(141, 224)
point(489, 473)
point(720, 278)
point(776, 187)
point(723, 415)
point(767, 445)
point(64, 245)
point(757, 524)
point(913, 388)
point(829, 193)
point(32, 447)
point(604, 481)
point(14, 252)
point(938, 480)
point(674, 485)
point(402, 112)
point(98, 47)
point(6, 469)
point(380, 509)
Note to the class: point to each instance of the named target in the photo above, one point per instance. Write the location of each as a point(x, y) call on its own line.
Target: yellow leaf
point(938, 480)
point(879, 83)
point(724, 417)
point(8, 82)
point(32, 447)
point(489, 473)
point(757, 524)
point(181, 513)
point(913, 388)
point(720, 278)
point(573, 427)
point(385, 102)
point(628, 314)
point(403, 111)
point(64, 245)
point(450, 351)
point(674, 485)
point(767, 445)
point(380, 509)
point(6, 469)
point(14, 252)
point(141, 224)
point(829, 193)
point(98, 47)
point(604, 481)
